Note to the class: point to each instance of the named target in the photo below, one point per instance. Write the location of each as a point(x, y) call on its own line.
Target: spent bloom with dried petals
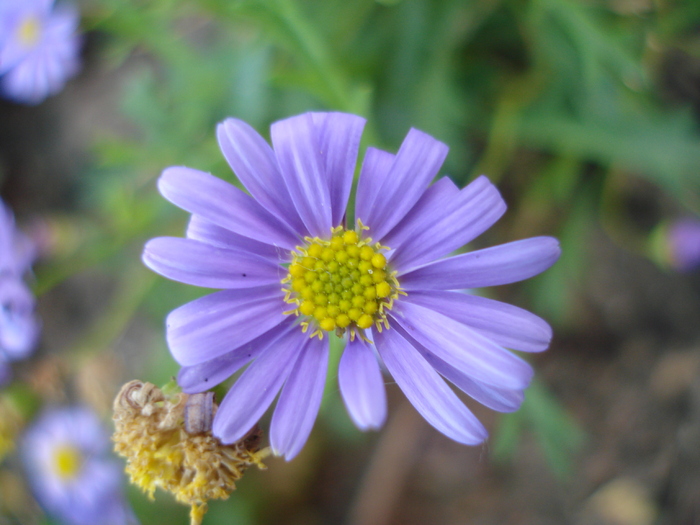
point(66, 453)
point(19, 328)
point(39, 48)
point(167, 442)
point(296, 266)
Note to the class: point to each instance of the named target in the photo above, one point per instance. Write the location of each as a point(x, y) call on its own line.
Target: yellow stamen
point(67, 461)
point(29, 31)
point(341, 283)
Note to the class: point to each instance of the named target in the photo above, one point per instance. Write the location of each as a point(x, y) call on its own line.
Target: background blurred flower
point(38, 50)
point(683, 244)
point(394, 290)
point(18, 326)
point(66, 453)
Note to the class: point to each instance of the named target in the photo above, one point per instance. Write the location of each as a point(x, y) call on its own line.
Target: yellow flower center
point(340, 284)
point(28, 32)
point(67, 461)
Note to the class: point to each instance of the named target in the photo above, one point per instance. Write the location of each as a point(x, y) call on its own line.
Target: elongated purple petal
point(449, 226)
point(503, 323)
point(258, 386)
point(200, 264)
point(300, 400)
point(215, 324)
point(225, 205)
point(203, 230)
point(301, 165)
point(417, 162)
point(338, 136)
point(252, 160)
point(206, 375)
point(375, 168)
point(503, 264)
point(500, 399)
point(437, 196)
point(362, 385)
point(463, 348)
point(426, 391)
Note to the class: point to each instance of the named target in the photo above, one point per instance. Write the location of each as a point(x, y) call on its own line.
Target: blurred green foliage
point(546, 97)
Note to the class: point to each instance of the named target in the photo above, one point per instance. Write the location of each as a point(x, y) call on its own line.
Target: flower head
point(19, 328)
point(74, 477)
point(38, 50)
point(167, 443)
point(296, 267)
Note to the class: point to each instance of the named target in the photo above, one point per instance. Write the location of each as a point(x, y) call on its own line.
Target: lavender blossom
point(39, 48)
point(66, 453)
point(293, 269)
point(19, 328)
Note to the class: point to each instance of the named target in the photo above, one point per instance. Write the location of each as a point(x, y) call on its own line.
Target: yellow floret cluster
point(340, 283)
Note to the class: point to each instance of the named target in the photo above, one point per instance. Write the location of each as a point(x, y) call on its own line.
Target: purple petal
point(503, 264)
point(200, 229)
point(200, 264)
point(225, 205)
point(301, 165)
point(444, 227)
point(500, 399)
point(375, 168)
point(252, 394)
point(362, 385)
point(300, 400)
point(338, 136)
point(416, 164)
point(503, 323)
point(206, 375)
point(426, 391)
point(255, 165)
point(461, 347)
point(215, 324)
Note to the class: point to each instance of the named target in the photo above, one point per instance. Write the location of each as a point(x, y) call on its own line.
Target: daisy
point(39, 48)
point(66, 453)
point(296, 268)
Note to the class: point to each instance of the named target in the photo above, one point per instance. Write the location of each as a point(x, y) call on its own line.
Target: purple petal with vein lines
point(225, 205)
point(416, 164)
point(300, 400)
point(200, 229)
point(338, 136)
point(215, 324)
point(505, 324)
point(463, 348)
point(375, 168)
point(206, 375)
point(446, 227)
point(252, 394)
point(500, 399)
point(252, 160)
point(503, 264)
point(426, 391)
point(362, 385)
point(299, 159)
point(200, 264)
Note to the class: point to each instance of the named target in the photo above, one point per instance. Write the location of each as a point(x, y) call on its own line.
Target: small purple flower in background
point(39, 48)
point(292, 270)
point(683, 244)
point(19, 328)
point(66, 453)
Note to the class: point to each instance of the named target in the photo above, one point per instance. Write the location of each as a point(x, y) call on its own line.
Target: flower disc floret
point(342, 283)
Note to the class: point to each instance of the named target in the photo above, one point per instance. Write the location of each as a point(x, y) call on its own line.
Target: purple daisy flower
point(66, 453)
point(683, 242)
point(19, 328)
point(39, 48)
point(293, 269)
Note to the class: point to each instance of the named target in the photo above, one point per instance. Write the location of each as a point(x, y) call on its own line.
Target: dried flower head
point(167, 442)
